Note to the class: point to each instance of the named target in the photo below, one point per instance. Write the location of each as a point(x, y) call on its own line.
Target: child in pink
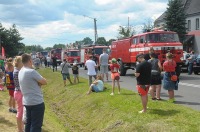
point(114, 67)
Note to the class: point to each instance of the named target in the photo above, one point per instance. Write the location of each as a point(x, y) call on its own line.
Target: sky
point(49, 22)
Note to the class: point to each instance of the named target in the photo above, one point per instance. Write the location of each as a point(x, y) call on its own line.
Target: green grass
point(70, 109)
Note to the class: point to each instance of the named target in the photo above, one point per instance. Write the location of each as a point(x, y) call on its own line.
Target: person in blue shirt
point(97, 85)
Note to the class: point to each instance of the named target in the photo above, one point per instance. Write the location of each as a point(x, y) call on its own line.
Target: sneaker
point(10, 110)
point(140, 112)
point(14, 111)
point(112, 94)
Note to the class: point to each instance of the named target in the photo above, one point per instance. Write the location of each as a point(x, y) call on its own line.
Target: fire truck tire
point(178, 70)
point(122, 69)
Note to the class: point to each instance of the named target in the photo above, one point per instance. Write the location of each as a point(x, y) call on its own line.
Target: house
point(192, 10)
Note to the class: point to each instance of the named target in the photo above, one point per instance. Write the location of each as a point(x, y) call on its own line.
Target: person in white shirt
point(48, 60)
point(91, 65)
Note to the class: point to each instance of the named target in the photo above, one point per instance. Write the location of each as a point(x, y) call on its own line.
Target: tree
point(148, 26)
point(176, 18)
point(125, 32)
point(10, 40)
point(87, 40)
point(33, 48)
point(48, 49)
point(109, 42)
point(101, 41)
point(59, 46)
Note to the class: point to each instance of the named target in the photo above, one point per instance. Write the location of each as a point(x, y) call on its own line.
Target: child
point(114, 67)
point(10, 86)
point(1, 81)
point(97, 85)
point(75, 71)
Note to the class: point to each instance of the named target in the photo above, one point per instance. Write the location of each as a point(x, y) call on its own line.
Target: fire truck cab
point(56, 52)
point(72, 56)
point(126, 50)
point(88, 50)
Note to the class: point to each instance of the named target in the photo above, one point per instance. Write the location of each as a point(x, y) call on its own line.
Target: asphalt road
point(188, 93)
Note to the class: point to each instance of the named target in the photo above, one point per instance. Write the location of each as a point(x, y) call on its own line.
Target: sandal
point(158, 99)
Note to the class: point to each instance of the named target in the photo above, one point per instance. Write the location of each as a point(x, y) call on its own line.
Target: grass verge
point(70, 109)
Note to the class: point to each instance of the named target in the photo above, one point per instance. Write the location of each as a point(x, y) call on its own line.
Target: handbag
point(174, 78)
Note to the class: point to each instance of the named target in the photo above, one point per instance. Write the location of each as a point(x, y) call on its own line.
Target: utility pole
point(95, 28)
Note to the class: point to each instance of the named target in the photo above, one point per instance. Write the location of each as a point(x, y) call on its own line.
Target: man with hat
point(143, 77)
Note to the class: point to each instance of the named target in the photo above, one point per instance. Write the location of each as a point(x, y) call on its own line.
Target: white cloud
point(103, 2)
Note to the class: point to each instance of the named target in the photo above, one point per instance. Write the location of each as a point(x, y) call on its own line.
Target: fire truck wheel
point(122, 69)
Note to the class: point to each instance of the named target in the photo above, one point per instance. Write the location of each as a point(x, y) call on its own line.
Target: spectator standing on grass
point(103, 61)
point(10, 86)
point(1, 81)
point(147, 56)
point(143, 77)
point(17, 94)
point(54, 63)
point(169, 67)
point(190, 62)
point(65, 71)
point(91, 65)
point(45, 61)
point(97, 85)
point(75, 71)
point(155, 77)
point(30, 82)
point(48, 60)
point(114, 67)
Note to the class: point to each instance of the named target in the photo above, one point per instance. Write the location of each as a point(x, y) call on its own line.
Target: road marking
point(188, 84)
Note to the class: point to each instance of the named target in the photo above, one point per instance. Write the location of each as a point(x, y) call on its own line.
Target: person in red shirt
point(114, 67)
point(169, 67)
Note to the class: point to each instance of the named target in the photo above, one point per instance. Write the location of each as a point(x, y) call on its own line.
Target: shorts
point(18, 97)
point(142, 91)
point(65, 76)
point(104, 69)
point(11, 93)
point(95, 88)
point(155, 80)
point(75, 75)
point(113, 75)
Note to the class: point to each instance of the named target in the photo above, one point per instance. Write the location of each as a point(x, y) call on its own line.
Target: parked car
point(185, 61)
point(196, 66)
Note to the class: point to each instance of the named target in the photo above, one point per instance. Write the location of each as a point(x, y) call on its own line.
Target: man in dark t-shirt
point(54, 62)
point(143, 77)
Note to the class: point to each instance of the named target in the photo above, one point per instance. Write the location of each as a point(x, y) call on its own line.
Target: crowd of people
point(24, 82)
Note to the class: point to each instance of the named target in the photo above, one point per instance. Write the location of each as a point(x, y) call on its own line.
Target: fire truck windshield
point(98, 51)
point(162, 37)
point(56, 51)
point(73, 53)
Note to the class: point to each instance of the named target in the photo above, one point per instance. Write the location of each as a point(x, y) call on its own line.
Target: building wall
point(193, 22)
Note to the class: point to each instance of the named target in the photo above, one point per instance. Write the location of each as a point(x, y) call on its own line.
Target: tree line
point(175, 19)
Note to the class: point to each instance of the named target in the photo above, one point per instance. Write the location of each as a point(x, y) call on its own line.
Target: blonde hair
point(169, 55)
point(99, 77)
point(17, 61)
point(9, 65)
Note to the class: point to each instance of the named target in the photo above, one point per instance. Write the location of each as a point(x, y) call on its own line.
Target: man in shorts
point(143, 77)
point(103, 61)
point(65, 71)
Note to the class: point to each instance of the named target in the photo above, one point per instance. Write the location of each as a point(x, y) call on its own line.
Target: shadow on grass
point(188, 103)
point(128, 94)
point(163, 112)
point(6, 122)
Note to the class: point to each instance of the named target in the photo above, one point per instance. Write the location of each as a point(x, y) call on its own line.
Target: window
point(142, 39)
point(197, 24)
point(135, 41)
point(189, 25)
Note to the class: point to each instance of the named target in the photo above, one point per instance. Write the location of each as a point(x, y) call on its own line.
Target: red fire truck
point(72, 56)
point(125, 50)
point(88, 50)
point(56, 52)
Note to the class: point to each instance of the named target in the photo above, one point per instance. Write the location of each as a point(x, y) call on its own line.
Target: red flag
point(3, 52)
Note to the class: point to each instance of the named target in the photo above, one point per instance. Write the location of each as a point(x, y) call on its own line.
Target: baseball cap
point(114, 60)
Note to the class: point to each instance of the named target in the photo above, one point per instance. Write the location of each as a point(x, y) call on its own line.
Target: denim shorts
point(95, 88)
point(65, 76)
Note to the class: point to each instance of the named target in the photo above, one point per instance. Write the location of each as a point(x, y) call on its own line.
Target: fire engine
point(126, 50)
point(71, 56)
point(88, 50)
point(56, 52)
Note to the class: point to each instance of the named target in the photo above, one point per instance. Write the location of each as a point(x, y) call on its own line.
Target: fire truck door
point(132, 49)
